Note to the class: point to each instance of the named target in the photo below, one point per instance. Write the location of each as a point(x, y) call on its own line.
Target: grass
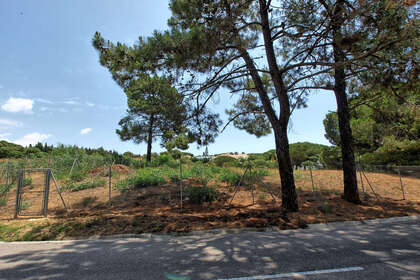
point(24, 204)
point(144, 178)
point(74, 186)
point(3, 201)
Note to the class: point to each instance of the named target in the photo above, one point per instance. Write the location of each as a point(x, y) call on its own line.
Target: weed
point(145, 178)
point(325, 208)
point(3, 201)
point(199, 195)
point(25, 204)
point(86, 201)
point(230, 177)
point(74, 187)
point(77, 176)
point(27, 181)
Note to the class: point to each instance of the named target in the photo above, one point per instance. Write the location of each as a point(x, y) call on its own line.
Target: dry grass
point(157, 209)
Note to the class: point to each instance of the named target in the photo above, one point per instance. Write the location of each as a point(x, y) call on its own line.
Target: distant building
point(238, 156)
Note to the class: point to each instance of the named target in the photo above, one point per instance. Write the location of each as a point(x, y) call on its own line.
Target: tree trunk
point(150, 140)
point(351, 192)
point(288, 189)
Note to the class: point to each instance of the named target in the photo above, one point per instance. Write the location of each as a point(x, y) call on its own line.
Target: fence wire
point(88, 181)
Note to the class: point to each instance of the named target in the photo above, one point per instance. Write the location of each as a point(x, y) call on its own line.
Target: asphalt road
point(344, 251)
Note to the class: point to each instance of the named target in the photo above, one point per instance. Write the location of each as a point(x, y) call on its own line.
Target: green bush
point(199, 195)
point(224, 161)
point(74, 186)
point(27, 181)
point(144, 178)
point(230, 177)
point(3, 201)
point(77, 176)
point(331, 158)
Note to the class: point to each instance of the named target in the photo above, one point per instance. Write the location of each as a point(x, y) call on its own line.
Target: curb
point(323, 227)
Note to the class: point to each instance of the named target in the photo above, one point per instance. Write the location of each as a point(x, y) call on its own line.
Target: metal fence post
point(312, 180)
point(46, 191)
point(18, 189)
point(7, 174)
point(180, 181)
point(109, 183)
point(401, 182)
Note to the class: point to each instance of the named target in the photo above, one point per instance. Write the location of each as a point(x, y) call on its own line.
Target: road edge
point(226, 231)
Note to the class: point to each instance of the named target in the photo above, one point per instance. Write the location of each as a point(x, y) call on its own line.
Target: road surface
point(344, 251)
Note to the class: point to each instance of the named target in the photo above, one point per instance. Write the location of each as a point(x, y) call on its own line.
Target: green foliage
point(27, 181)
point(3, 200)
point(331, 158)
point(144, 178)
point(10, 150)
point(385, 129)
point(25, 204)
point(86, 201)
point(204, 173)
point(305, 151)
point(394, 152)
point(77, 176)
point(74, 186)
point(230, 177)
point(222, 161)
point(199, 195)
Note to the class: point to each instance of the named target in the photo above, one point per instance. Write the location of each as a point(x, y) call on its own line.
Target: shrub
point(199, 195)
point(27, 181)
point(3, 201)
point(77, 176)
point(74, 187)
point(224, 161)
point(331, 157)
point(230, 177)
point(145, 178)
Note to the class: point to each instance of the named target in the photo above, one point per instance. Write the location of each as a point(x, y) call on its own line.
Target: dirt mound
point(120, 168)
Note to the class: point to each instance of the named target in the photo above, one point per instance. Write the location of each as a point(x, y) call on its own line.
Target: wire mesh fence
point(394, 182)
point(93, 181)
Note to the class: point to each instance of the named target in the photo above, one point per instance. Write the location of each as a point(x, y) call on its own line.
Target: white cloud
point(41, 100)
point(15, 105)
point(89, 104)
point(85, 131)
point(71, 102)
point(6, 123)
point(32, 138)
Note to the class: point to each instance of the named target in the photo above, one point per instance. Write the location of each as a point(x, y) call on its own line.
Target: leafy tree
point(348, 39)
point(154, 109)
point(305, 151)
point(10, 150)
point(230, 44)
point(379, 116)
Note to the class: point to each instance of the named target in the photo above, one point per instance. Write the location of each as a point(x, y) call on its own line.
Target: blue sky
point(53, 89)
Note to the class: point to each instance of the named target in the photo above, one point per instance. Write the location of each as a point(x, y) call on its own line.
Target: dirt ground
point(158, 209)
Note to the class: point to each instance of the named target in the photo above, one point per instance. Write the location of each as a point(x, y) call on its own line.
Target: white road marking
point(297, 274)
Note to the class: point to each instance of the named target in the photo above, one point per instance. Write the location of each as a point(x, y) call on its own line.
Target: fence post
point(312, 180)
point(18, 189)
point(7, 174)
point(180, 180)
point(401, 182)
point(361, 178)
point(109, 183)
